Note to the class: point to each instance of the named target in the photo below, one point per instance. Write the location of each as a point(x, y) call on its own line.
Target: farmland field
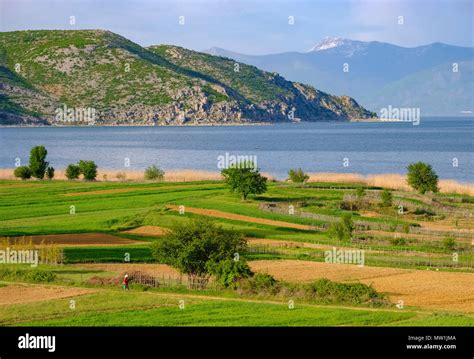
point(421, 260)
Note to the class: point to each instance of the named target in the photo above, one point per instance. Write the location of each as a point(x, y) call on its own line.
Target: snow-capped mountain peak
point(328, 43)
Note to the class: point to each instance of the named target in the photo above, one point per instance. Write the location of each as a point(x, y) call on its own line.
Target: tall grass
point(390, 180)
point(118, 176)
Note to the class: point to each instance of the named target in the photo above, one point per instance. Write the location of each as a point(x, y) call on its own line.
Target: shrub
point(355, 293)
point(121, 176)
point(22, 172)
point(38, 162)
point(348, 223)
point(72, 172)
point(50, 172)
point(244, 178)
point(229, 272)
point(422, 177)
point(154, 173)
point(260, 283)
point(88, 169)
point(387, 198)
point(336, 231)
point(297, 176)
point(449, 243)
point(342, 230)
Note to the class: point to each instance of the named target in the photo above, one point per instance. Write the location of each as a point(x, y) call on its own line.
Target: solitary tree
point(422, 177)
point(244, 178)
point(38, 162)
point(197, 248)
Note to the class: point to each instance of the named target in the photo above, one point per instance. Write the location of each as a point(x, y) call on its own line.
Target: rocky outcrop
point(95, 77)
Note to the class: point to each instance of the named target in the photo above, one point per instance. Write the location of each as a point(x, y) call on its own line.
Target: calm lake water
point(316, 147)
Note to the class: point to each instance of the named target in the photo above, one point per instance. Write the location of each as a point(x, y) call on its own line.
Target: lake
point(366, 148)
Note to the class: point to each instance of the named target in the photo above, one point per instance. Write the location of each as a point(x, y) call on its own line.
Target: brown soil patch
point(149, 231)
point(132, 189)
point(239, 217)
point(430, 289)
point(17, 294)
point(78, 239)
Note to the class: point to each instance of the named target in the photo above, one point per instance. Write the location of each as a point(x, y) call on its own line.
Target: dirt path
point(22, 293)
point(148, 231)
point(239, 217)
point(77, 239)
point(429, 289)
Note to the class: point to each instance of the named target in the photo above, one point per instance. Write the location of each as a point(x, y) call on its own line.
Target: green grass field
point(61, 207)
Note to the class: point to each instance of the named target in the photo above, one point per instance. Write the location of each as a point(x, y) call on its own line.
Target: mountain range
point(69, 77)
point(437, 78)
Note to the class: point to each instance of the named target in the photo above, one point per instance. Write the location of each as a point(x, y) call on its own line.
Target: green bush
point(88, 170)
point(449, 243)
point(72, 172)
point(387, 198)
point(154, 173)
point(260, 284)
point(342, 231)
point(50, 172)
point(22, 172)
point(328, 291)
point(229, 272)
point(297, 176)
point(38, 162)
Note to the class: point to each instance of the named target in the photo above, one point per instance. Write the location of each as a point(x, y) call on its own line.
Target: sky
point(252, 26)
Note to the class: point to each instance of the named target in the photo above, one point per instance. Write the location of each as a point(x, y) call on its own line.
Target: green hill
point(45, 74)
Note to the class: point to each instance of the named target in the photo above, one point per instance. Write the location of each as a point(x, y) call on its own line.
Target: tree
point(422, 177)
point(38, 162)
point(342, 230)
point(154, 173)
point(196, 248)
point(297, 176)
point(50, 172)
point(72, 171)
point(22, 172)
point(88, 169)
point(387, 198)
point(244, 178)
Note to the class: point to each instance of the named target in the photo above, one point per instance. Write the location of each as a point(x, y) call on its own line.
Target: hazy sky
point(251, 26)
